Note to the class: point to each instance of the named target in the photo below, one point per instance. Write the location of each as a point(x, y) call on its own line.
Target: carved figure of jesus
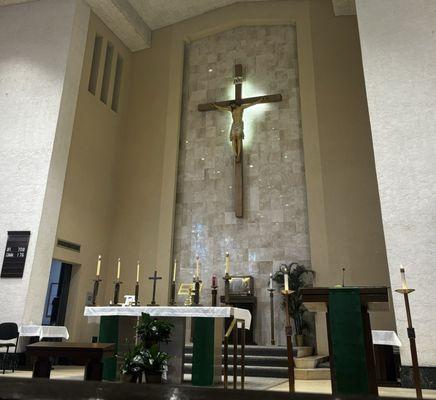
point(237, 128)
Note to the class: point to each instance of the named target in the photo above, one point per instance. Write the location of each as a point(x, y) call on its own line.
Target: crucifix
point(236, 107)
point(154, 278)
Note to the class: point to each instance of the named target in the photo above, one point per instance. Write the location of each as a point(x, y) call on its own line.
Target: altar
point(117, 326)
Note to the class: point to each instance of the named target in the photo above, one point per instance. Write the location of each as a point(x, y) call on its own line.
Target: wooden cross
point(154, 278)
point(236, 107)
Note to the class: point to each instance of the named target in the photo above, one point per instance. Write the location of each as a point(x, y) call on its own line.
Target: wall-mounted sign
point(15, 254)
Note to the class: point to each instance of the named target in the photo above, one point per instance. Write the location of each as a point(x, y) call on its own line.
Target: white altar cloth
point(388, 338)
point(182, 312)
point(44, 331)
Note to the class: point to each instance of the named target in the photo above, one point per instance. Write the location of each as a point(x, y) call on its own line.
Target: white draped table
point(115, 327)
point(182, 312)
point(387, 338)
point(44, 331)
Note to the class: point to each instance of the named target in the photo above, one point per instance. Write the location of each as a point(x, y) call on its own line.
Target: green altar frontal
point(206, 354)
point(117, 330)
point(207, 350)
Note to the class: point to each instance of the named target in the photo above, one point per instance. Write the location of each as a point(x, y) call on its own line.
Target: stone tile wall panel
point(274, 228)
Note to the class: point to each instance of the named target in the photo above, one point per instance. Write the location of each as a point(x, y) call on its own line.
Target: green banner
point(347, 340)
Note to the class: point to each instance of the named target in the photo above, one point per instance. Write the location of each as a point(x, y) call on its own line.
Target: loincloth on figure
point(237, 131)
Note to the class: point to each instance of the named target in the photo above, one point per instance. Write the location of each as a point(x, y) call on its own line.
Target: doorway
point(57, 294)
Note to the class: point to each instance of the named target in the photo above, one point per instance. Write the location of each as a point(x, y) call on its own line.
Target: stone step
point(272, 361)
point(312, 374)
point(303, 351)
point(256, 371)
point(277, 351)
point(309, 362)
point(277, 372)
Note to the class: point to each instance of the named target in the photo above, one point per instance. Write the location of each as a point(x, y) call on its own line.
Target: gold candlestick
point(405, 291)
point(97, 281)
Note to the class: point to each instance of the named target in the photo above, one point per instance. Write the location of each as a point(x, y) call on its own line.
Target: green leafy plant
point(146, 356)
point(154, 360)
point(133, 363)
point(152, 331)
point(299, 277)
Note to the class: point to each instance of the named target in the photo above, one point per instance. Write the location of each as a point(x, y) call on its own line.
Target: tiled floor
point(76, 373)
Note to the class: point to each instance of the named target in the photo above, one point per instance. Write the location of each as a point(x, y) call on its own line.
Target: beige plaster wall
point(398, 55)
point(354, 232)
point(88, 201)
point(344, 213)
point(42, 46)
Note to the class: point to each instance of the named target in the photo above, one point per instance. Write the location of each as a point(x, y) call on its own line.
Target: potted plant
point(151, 331)
point(146, 355)
point(299, 277)
point(155, 362)
point(133, 365)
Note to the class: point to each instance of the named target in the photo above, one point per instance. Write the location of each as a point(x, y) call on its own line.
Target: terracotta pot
point(300, 340)
point(155, 377)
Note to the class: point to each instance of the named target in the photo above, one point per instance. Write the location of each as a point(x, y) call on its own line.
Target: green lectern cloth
point(347, 340)
point(109, 334)
point(203, 354)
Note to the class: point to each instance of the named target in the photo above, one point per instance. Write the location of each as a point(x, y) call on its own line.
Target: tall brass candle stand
point(290, 351)
point(271, 304)
point(405, 291)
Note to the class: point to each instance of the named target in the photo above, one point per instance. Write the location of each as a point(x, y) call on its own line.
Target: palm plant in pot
point(155, 362)
point(299, 277)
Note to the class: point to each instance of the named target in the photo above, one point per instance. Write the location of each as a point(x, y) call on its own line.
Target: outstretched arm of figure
point(221, 108)
point(244, 106)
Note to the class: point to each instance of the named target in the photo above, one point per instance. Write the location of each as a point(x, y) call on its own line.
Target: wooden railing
point(233, 329)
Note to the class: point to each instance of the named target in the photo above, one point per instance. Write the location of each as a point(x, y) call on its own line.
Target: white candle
point(403, 277)
point(198, 266)
point(174, 271)
point(98, 265)
point(227, 263)
point(119, 268)
point(270, 281)
point(137, 272)
point(286, 280)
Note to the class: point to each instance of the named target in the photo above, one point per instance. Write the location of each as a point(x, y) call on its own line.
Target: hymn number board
point(15, 254)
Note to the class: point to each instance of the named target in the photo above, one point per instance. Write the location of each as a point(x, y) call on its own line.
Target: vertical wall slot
point(107, 72)
point(117, 83)
point(96, 55)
